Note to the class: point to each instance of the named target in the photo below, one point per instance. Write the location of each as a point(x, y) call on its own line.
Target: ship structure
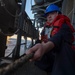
point(15, 20)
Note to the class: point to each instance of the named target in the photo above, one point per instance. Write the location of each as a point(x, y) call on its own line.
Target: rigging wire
point(14, 49)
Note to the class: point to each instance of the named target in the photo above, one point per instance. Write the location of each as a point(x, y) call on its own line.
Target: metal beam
point(16, 52)
point(34, 7)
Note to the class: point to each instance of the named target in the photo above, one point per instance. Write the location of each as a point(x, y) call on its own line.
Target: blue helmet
point(52, 8)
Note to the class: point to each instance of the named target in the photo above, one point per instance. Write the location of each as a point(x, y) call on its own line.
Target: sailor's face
point(51, 16)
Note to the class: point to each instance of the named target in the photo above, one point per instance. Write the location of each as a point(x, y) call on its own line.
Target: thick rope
point(14, 65)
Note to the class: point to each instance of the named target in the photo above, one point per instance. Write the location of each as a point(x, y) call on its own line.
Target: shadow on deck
point(28, 69)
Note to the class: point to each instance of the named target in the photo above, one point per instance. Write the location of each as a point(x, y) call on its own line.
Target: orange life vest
point(57, 24)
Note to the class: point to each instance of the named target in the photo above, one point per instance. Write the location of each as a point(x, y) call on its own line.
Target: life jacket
point(57, 24)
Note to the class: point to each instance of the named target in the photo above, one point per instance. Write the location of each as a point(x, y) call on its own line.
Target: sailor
point(56, 53)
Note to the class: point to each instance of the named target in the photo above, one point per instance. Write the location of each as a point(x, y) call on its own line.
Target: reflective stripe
point(48, 31)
